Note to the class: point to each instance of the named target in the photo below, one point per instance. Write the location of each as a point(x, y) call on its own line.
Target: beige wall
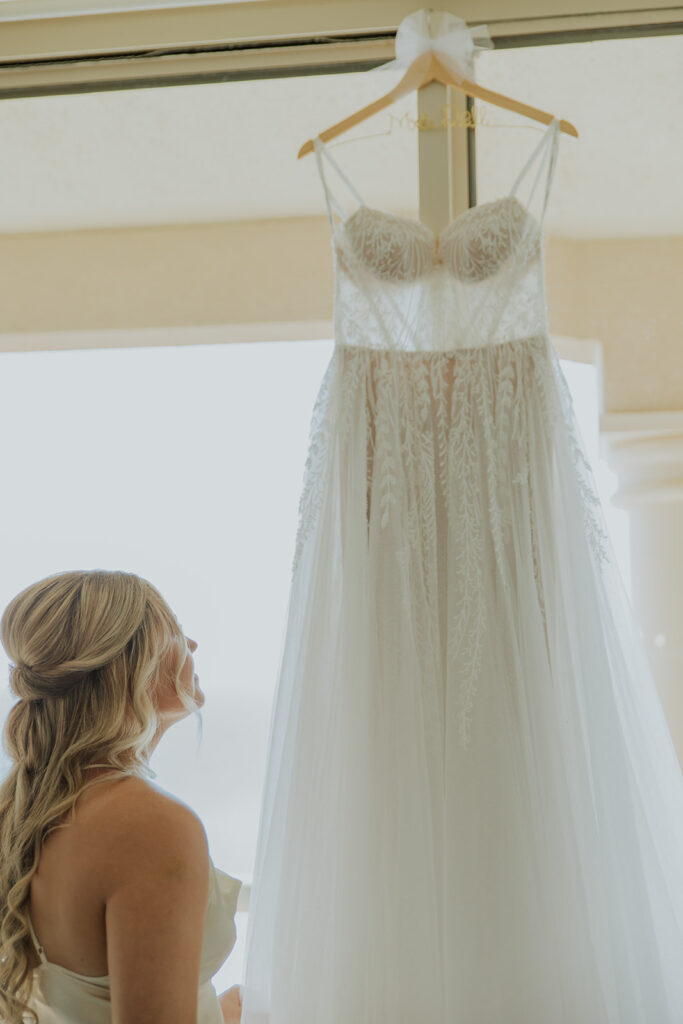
point(234, 273)
point(626, 293)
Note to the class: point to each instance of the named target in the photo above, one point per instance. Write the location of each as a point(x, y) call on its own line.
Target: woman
point(110, 906)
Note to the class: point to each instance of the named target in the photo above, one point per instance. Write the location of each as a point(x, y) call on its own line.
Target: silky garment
point(473, 809)
point(61, 996)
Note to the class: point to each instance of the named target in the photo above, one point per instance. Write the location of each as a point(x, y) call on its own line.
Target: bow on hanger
point(437, 46)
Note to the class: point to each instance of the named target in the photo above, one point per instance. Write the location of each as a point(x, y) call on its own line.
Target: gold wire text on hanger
point(424, 123)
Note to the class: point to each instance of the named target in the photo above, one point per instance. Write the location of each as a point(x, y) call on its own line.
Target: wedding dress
point(473, 809)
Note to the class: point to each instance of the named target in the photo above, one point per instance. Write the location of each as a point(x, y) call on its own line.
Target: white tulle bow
point(447, 35)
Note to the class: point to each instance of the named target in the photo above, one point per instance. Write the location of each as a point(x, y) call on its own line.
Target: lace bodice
point(472, 248)
point(480, 281)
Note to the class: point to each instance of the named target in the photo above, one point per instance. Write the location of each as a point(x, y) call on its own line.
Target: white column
point(442, 154)
point(645, 450)
point(432, 156)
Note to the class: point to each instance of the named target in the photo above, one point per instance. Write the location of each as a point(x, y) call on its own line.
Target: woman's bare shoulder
point(138, 794)
point(114, 809)
point(136, 819)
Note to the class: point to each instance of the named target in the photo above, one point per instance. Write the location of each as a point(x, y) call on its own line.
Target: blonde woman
point(111, 909)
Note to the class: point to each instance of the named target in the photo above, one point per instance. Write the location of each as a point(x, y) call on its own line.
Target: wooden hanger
point(425, 69)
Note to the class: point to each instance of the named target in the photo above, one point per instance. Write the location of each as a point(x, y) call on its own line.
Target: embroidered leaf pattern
point(455, 441)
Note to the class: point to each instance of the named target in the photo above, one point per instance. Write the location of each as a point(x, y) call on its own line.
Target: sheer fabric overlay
point(473, 809)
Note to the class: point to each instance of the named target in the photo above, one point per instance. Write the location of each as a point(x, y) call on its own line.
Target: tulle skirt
point(473, 809)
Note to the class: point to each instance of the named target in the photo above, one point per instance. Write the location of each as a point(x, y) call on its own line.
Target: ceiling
point(227, 151)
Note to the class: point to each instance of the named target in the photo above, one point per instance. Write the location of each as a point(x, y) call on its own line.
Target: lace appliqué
point(559, 407)
point(386, 429)
point(394, 248)
point(488, 235)
point(442, 422)
point(399, 287)
point(464, 508)
point(473, 247)
point(317, 462)
point(450, 437)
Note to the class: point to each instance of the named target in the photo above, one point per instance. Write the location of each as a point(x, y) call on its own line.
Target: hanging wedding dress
point(473, 810)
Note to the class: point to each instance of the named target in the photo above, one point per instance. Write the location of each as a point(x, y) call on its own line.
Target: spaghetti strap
point(39, 948)
point(332, 201)
point(549, 144)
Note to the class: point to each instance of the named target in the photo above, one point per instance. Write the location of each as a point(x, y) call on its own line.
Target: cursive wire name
point(425, 123)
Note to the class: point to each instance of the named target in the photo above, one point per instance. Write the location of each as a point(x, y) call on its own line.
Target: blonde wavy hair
point(89, 651)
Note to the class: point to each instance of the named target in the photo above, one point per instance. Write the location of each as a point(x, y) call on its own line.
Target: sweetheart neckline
point(414, 222)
